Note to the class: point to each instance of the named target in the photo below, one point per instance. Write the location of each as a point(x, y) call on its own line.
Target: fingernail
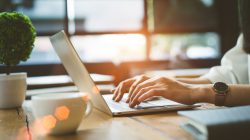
point(116, 100)
point(127, 101)
point(131, 105)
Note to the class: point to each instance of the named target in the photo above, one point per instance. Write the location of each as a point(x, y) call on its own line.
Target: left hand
point(162, 86)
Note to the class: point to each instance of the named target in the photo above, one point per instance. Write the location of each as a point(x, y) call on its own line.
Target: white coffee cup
point(60, 113)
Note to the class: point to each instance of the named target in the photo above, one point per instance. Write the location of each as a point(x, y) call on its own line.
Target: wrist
point(203, 93)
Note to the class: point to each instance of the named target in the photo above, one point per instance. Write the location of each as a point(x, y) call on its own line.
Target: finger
point(121, 92)
point(123, 88)
point(117, 89)
point(142, 91)
point(139, 87)
point(149, 94)
point(115, 92)
point(134, 102)
point(133, 86)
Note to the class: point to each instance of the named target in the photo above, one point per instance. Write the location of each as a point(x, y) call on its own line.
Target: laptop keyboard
point(123, 106)
point(120, 106)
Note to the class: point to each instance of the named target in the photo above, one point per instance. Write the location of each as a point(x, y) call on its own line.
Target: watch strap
point(220, 99)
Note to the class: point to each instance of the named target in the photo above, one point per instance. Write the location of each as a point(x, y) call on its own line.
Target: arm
point(233, 70)
point(199, 80)
point(182, 92)
point(129, 85)
point(237, 95)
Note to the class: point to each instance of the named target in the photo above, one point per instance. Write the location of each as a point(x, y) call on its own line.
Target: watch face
point(221, 87)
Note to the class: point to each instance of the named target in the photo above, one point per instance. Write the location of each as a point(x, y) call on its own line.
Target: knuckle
point(122, 84)
point(143, 90)
point(162, 79)
point(143, 77)
point(139, 86)
point(133, 86)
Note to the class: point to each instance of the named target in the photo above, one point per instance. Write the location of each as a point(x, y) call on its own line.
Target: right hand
point(127, 86)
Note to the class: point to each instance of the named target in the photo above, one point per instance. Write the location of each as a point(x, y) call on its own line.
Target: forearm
point(237, 95)
point(198, 80)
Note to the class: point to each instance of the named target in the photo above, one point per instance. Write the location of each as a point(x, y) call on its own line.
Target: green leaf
point(17, 36)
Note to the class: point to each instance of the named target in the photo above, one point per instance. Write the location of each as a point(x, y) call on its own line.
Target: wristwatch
point(221, 90)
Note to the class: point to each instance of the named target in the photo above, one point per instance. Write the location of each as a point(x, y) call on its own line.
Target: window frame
point(146, 31)
point(227, 12)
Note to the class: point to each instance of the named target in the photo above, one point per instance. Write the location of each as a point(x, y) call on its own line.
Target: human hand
point(162, 86)
point(129, 86)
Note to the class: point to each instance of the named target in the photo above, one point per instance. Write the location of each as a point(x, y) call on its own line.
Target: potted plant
point(17, 35)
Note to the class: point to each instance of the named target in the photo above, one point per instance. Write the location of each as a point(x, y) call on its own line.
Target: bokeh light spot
point(62, 113)
point(49, 122)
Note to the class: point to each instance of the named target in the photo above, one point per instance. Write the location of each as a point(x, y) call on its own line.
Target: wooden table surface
point(14, 125)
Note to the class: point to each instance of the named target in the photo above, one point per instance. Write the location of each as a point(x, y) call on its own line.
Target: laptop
point(80, 76)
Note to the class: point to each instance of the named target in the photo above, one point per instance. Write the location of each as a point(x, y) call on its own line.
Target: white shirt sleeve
point(234, 66)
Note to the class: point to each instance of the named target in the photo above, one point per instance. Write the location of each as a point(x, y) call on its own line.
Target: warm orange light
point(23, 134)
point(62, 113)
point(37, 127)
point(95, 90)
point(49, 122)
point(86, 98)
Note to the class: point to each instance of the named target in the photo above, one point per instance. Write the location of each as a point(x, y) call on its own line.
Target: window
point(125, 30)
point(187, 29)
point(46, 15)
point(43, 52)
point(114, 48)
point(185, 46)
point(108, 15)
point(48, 18)
point(185, 15)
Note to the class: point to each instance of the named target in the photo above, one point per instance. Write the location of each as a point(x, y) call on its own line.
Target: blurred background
point(124, 38)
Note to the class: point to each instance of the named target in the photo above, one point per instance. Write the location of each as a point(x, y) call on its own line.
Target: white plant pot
point(12, 90)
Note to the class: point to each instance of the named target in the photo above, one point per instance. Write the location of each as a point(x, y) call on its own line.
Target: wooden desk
point(98, 126)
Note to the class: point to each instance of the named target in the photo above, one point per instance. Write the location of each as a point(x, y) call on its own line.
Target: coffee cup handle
point(89, 109)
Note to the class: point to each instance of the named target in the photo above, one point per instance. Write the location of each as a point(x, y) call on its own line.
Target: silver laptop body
point(104, 103)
